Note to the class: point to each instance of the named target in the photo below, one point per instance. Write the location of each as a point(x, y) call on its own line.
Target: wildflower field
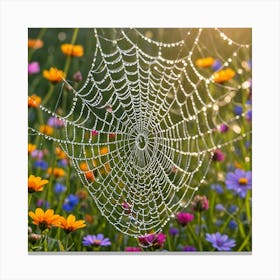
point(160, 162)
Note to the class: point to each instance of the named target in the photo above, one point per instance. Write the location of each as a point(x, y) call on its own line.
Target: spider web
point(142, 129)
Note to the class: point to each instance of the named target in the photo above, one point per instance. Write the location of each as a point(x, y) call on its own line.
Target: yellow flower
point(104, 151)
point(35, 43)
point(70, 224)
point(56, 172)
point(31, 148)
point(36, 184)
point(54, 75)
point(46, 129)
point(45, 219)
point(34, 101)
point(223, 75)
point(73, 50)
point(204, 62)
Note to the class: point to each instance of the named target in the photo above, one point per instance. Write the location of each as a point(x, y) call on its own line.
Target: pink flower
point(218, 155)
point(184, 218)
point(200, 203)
point(109, 109)
point(132, 249)
point(33, 67)
point(154, 240)
point(94, 133)
point(126, 207)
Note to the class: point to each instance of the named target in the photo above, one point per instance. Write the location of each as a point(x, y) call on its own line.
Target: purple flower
point(184, 218)
point(132, 249)
point(37, 154)
point(42, 203)
point(232, 209)
point(77, 77)
point(33, 67)
point(96, 240)
point(220, 207)
point(173, 231)
point(189, 249)
point(221, 242)
point(55, 122)
point(62, 162)
point(240, 181)
point(200, 203)
point(218, 155)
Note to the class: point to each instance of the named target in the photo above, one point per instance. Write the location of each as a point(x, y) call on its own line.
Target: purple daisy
point(240, 181)
point(96, 240)
point(33, 68)
point(221, 242)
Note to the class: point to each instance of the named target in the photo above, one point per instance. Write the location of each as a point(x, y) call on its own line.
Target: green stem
point(29, 200)
point(49, 94)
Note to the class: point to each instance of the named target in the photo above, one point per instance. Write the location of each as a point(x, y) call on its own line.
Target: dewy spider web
point(142, 129)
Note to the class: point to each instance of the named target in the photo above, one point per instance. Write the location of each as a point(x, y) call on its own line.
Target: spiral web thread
point(156, 117)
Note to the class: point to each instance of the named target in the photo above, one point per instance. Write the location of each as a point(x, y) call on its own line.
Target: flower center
point(243, 181)
point(97, 242)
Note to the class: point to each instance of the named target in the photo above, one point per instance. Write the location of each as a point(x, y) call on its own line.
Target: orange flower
point(35, 43)
point(54, 75)
point(89, 174)
point(70, 224)
point(204, 62)
point(34, 101)
point(73, 50)
point(36, 184)
point(45, 219)
point(104, 151)
point(60, 153)
point(31, 148)
point(223, 75)
point(46, 129)
point(56, 172)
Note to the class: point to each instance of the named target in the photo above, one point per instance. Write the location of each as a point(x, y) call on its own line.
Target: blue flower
point(232, 209)
point(70, 202)
point(232, 224)
point(249, 116)
point(189, 249)
point(240, 181)
point(221, 242)
point(218, 188)
point(59, 188)
point(41, 164)
point(216, 65)
point(238, 110)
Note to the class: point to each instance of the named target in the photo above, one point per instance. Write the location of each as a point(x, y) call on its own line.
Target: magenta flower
point(94, 133)
point(33, 68)
point(96, 240)
point(218, 155)
point(132, 249)
point(77, 77)
point(224, 128)
point(184, 218)
point(200, 203)
point(154, 240)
